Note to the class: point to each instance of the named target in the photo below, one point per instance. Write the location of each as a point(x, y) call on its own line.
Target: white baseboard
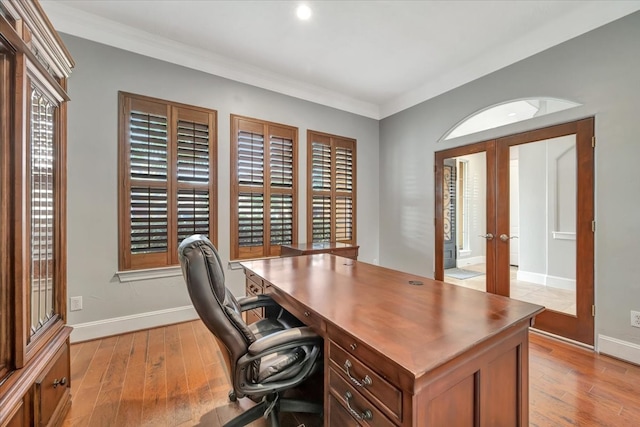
point(120, 325)
point(561, 283)
point(463, 262)
point(619, 349)
point(546, 280)
point(530, 277)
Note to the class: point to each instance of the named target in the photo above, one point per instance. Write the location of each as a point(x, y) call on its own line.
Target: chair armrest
point(282, 340)
point(256, 301)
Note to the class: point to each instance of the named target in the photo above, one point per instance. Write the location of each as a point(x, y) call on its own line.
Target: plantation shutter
point(344, 191)
point(281, 180)
point(264, 214)
point(321, 167)
point(194, 199)
point(250, 208)
point(167, 165)
point(148, 141)
point(321, 219)
point(331, 188)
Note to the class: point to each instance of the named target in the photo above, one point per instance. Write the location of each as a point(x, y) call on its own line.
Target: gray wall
point(100, 73)
point(601, 70)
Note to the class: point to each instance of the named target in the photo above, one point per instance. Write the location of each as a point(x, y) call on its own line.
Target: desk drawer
point(339, 416)
point(303, 314)
point(385, 395)
point(253, 288)
point(356, 405)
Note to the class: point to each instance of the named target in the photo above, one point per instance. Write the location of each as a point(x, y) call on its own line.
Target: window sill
point(148, 273)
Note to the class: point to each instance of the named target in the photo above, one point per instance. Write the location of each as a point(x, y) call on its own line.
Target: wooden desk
point(404, 354)
point(335, 248)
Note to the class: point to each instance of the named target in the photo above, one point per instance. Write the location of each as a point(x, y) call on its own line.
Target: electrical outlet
point(76, 304)
point(635, 319)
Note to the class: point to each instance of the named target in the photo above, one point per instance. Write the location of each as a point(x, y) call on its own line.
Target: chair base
point(274, 405)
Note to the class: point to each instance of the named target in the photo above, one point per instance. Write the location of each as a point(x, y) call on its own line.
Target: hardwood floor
point(173, 376)
point(573, 386)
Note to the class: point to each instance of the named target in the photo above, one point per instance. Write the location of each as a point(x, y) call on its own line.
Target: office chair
point(263, 359)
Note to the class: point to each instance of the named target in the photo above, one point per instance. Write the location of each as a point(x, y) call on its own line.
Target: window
point(506, 113)
point(264, 187)
point(167, 167)
point(331, 192)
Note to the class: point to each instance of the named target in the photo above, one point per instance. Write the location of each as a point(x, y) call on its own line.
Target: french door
point(524, 221)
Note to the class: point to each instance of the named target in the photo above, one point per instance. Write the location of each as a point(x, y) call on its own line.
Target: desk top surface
point(419, 327)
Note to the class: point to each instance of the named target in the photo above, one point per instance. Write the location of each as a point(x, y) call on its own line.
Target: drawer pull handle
point(353, 346)
point(58, 382)
point(365, 381)
point(307, 314)
point(366, 415)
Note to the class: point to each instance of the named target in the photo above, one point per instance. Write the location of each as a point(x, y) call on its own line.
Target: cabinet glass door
point(42, 156)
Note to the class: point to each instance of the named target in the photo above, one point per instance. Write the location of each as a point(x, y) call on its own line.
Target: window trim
point(267, 250)
point(174, 112)
point(333, 141)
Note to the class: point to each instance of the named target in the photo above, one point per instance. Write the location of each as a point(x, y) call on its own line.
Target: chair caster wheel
point(232, 396)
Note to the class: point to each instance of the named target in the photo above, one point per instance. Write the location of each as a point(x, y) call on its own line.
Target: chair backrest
point(204, 275)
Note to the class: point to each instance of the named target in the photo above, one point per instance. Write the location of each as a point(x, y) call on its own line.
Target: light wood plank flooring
point(173, 376)
point(561, 300)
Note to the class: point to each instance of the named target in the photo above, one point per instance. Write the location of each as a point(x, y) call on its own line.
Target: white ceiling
point(372, 58)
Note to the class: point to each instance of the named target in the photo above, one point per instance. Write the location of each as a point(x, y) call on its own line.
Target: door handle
point(504, 237)
point(487, 236)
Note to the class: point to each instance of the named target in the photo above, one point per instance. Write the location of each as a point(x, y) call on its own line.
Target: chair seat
point(267, 326)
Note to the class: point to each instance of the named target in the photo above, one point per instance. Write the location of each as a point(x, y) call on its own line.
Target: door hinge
point(593, 311)
point(593, 141)
point(593, 226)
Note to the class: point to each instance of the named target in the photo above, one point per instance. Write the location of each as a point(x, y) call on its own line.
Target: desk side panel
point(487, 387)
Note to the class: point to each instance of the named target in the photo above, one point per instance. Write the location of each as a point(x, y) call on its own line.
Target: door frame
point(581, 326)
point(486, 146)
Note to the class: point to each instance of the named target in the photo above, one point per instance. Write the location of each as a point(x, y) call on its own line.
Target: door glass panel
point(465, 207)
point(542, 223)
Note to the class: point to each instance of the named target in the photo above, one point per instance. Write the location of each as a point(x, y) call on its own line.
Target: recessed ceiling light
point(304, 12)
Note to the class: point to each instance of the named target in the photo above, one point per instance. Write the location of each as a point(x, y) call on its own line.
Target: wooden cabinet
point(51, 388)
point(334, 248)
point(34, 340)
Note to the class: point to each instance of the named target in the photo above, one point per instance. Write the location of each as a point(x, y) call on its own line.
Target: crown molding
point(45, 44)
point(591, 16)
point(91, 27)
